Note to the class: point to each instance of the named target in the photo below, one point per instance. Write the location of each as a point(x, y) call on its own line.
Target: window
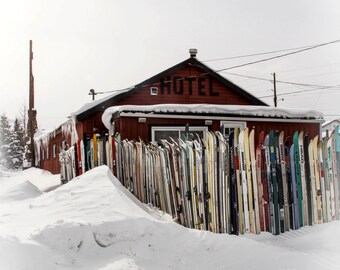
point(54, 150)
point(47, 152)
point(42, 154)
point(161, 133)
point(154, 91)
point(229, 126)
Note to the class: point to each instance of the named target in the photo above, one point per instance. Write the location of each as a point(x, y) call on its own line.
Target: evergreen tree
point(17, 153)
point(6, 141)
point(29, 155)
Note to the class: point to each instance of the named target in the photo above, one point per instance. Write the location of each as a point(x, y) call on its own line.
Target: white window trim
point(232, 124)
point(153, 91)
point(192, 129)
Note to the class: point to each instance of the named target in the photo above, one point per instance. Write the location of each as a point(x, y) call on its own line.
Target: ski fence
point(224, 184)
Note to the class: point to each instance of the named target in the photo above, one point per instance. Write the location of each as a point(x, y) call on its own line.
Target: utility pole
point(275, 97)
point(31, 110)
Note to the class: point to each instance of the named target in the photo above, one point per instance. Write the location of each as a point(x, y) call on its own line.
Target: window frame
point(232, 124)
point(54, 151)
point(180, 129)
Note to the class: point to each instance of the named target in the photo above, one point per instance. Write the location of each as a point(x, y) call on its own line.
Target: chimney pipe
point(193, 52)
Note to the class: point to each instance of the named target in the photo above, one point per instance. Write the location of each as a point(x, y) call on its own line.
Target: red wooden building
point(224, 106)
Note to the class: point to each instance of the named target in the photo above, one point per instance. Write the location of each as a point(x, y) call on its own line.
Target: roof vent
point(193, 52)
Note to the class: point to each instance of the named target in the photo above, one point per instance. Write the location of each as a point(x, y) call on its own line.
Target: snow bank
point(21, 191)
point(42, 179)
point(17, 255)
point(92, 222)
point(212, 109)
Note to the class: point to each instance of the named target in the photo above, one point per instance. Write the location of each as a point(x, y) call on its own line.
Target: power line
point(255, 54)
point(247, 76)
point(261, 53)
point(279, 56)
point(310, 67)
point(285, 82)
point(295, 92)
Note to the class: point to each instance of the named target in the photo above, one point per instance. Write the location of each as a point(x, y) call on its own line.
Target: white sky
point(107, 45)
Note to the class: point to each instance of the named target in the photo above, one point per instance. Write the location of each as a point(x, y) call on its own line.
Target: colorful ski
point(249, 181)
point(260, 178)
point(294, 191)
point(269, 182)
point(279, 181)
point(284, 181)
point(303, 178)
point(244, 181)
point(254, 180)
point(275, 184)
point(308, 180)
point(241, 226)
point(298, 176)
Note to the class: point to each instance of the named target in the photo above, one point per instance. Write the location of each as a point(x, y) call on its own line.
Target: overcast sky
point(107, 45)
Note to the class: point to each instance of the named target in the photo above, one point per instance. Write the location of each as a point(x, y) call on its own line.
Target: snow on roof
point(239, 110)
point(331, 122)
point(68, 128)
point(92, 104)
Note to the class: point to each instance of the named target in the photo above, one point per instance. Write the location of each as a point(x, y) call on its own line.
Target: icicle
point(69, 129)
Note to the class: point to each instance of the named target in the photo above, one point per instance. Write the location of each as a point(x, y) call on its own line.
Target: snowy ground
point(94, 223)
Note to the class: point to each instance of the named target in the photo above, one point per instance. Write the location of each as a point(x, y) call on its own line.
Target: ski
point(254, 181)
point(298, 176)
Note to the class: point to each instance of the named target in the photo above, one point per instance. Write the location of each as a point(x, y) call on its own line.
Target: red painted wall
point(52, 163)
point(131, 129)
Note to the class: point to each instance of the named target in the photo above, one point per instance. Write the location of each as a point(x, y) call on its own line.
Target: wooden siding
point(93, 124)
point(131, 129)
point(186, 86)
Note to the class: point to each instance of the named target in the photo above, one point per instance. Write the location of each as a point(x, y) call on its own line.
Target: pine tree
point(29, 156)
point(6, 141)
point(17, 153)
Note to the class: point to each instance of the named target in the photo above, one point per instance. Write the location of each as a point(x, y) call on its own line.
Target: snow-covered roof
point(212, 109)
point(334, 121)
point(68, 128)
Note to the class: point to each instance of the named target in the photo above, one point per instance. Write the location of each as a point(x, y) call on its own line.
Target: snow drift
point(21, 191)
point(94, 223)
